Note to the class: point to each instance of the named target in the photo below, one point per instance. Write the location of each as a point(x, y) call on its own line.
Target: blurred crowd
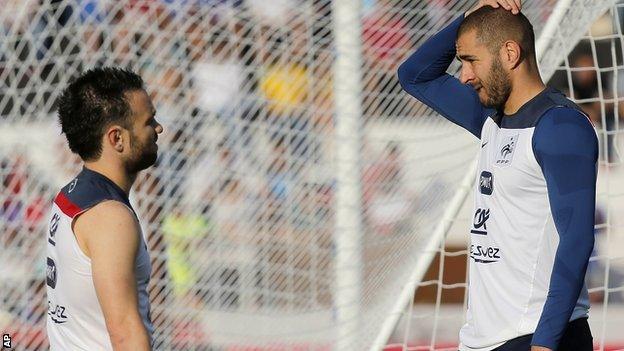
point(238, 211)
point(239, 208)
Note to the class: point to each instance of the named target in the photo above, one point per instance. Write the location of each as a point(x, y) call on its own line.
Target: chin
point(490, 103)
point(150, 159)
point(485, 102)
point(145, 162)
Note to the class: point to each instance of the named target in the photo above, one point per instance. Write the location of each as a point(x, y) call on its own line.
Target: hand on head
point(515, 6)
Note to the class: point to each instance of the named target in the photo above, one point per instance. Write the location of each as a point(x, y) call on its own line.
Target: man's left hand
point(540, 348)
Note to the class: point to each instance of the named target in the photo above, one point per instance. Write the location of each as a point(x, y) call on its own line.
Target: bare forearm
point(130, 336)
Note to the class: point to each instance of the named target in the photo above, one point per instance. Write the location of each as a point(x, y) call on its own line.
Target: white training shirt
point(513, 234)
point(75, 320)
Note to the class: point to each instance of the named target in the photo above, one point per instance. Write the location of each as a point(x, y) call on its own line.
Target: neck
point(524, 88)
point(117, 174)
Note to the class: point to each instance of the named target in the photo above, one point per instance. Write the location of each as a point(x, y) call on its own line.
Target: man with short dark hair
point(98, 267)
point(534, 198)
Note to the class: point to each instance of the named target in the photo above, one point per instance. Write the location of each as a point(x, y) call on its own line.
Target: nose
point(466, 74)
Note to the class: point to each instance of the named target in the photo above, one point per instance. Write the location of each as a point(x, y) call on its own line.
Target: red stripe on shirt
point(69, 208)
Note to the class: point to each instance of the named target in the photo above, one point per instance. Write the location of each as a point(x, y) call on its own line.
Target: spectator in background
point(285, 86)
point(14, 180)
point(19, 19)
point(217, 73)
point(160, 40)
point(22, 47)
point(123, 47)
point(93, 15)
point(167, 82)
point(313, 229)
point(282, 177)
point(37, 207)
point(388, 205)
point(384, 35)
point(134, 24)
point(322, 91)
point(214, 166)
point(284, 78)
point(183, 229)
point(222, 85)
point(439, 12)
point(186, 231)
point(230, 266)
point(275, 13)
point(586, 90)
point(585, 84)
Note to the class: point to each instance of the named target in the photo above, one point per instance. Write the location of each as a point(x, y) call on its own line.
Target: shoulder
point(549, 101)
point(565, 121)
point(86, 190)
point(108, 216)
point(555, 109)
point(110, 224)
point(78, 196)
point(565, 131)
point(110, 211)
point(558, 108)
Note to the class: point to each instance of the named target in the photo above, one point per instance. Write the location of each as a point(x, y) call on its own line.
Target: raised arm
point(423, 75)
point(109, 235)
point(566, 148)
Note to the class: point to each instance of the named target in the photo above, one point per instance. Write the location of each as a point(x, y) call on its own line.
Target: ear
point(114, 137)
point(511, 54)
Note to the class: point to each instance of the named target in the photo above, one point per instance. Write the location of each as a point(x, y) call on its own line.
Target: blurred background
point(299, 192)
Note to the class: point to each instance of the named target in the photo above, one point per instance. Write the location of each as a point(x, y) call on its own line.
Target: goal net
point(301, 200)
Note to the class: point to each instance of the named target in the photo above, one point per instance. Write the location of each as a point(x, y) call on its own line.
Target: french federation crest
point(506, 149)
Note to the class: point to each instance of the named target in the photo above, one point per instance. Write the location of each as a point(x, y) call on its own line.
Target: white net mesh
point(245, 214)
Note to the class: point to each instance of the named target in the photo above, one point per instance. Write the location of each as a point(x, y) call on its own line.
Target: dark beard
point(145, 161)
point(498, 86)
point(144, 157)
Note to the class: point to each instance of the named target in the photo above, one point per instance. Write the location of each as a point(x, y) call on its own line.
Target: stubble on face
point(144, 151)
point(144, 154)
point(497, 86)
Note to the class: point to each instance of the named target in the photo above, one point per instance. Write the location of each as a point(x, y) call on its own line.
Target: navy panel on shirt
point(530, 113)
point(566, 148)
point(87, 190)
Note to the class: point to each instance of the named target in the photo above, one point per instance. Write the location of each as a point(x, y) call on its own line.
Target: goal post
point(301, 199)
point(348, 134)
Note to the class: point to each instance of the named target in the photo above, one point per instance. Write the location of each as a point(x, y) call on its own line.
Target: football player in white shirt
point(98, 267)
point(534, 199)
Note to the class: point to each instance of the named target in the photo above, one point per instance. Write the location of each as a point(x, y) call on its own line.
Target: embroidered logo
point(506, 150)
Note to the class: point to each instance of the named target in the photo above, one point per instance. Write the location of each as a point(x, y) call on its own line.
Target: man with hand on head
point(534, 198)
